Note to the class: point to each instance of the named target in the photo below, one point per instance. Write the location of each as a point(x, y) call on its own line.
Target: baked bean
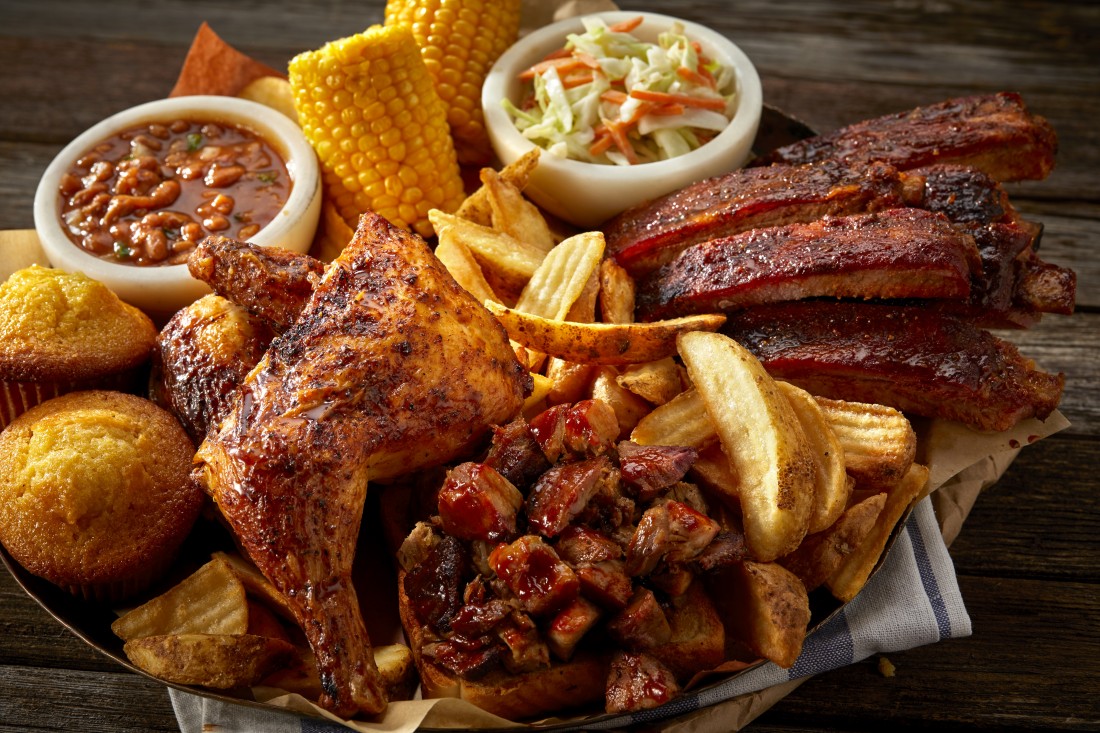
point(215, 177)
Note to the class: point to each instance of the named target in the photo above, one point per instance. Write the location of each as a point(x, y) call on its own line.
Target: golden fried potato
point(599, 343)
point(514, 215)
point(220, 661)
point(654, 381)
point(476, 206)
point(256, 584)
point(879, 442)
point(765, 607)
point(562, 277)
point(853, 573)
point(395, 665)
point(820, 554)
point(761, 436)
point(683, 420)
point(616, 293)
point(506, 263)
point(463, 266)
point(210, 601)
point(629, 408)
point(832, 485)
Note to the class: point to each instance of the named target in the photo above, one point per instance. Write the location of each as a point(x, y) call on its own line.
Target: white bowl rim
point(750, 96)
point(281, 131)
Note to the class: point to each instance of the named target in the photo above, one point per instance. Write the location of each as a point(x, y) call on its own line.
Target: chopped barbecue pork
point(477, 503)
point(638, 682)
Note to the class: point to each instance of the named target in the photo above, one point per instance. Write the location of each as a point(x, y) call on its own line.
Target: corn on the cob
point(460, 40)
point(369, 107)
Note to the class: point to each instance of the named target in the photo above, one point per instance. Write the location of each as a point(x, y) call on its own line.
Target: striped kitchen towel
point(913, 600)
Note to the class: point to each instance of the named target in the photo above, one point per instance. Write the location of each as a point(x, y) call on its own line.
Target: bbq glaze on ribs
point(892, 254)
point(503, 590)
point(390, 367)
point(994, 133)
point(915, 359)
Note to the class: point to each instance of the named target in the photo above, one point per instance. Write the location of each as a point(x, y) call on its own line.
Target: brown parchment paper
point(963, 462)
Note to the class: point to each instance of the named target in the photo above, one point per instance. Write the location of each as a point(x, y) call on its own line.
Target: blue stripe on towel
point(928, 578)
point(827, 648)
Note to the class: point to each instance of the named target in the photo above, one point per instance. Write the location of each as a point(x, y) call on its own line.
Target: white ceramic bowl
point(587, 194)
point(161, 290)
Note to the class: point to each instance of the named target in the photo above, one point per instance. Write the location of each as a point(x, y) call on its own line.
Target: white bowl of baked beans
point(127, 200)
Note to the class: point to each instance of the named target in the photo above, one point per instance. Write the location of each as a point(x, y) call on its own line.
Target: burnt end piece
point(515, 453)
point(651, 469)
point(536, 576)
point(638, 682)
point(477, 503)
point(435, 586)
point(563, 492)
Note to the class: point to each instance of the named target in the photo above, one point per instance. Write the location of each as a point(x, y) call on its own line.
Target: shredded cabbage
point(612, 98)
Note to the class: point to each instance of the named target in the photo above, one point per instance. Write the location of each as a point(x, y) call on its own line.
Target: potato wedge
point(599, 343)
point(209, 601)
point(765, 607)
point(507, 264)
point(833, 485)
point(569, 380)
point(616, 293)
point(463, 266)
point(853, 573)
point(476, 206)
point(712, 472)
point(654, 381)
point(395, 666)
point(683, 420)
point(562, 276)
point(879, 442)
point(820, 554)
point(629, 408)
point(513, 214)
point(542, 387)
point(219, 661)
point(256, 585)
point(761, 436)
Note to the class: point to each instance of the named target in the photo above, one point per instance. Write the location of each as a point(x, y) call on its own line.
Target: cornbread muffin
point(95, 492)
point(61, 332)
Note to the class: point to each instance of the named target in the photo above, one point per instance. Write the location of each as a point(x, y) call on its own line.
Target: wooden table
point(1027, 558)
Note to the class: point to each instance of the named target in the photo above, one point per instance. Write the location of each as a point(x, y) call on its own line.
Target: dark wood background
point(1027, 557)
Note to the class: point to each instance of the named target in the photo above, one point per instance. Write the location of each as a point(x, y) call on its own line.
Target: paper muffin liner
point(17, 397)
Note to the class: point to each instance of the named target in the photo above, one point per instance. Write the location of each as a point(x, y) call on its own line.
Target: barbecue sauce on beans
point(148, 195)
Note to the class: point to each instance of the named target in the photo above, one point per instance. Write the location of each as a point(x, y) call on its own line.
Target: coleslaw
point(609, 97)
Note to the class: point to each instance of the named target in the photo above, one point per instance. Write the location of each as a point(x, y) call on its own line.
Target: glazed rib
point(994, 133)
point(915, 359)
point(897, 253)
point(271, 283)
point(649, 235)
point(391, 367)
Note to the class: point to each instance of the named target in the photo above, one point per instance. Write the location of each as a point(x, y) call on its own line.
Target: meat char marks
point(647, 236)
point(995, 133)
point(897, 253)
point(915, 359)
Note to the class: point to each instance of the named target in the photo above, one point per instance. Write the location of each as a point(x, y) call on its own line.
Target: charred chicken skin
point(390, 367)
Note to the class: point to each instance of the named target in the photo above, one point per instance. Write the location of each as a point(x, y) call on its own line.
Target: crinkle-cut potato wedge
point(476, 206)
point(761, 436)
point(629, 408)
point(599, 343)
point(765, 607)
point(683, 420)
point(879, 442)
point(820, 554)
point(617, 290)
point(540, 391)
point(506, 263)
point(219, 661)
point(833, 485)
point(211, 601)
point(654, 381)
point(463, 266)
point(562, 276)
point(853, 573)
point(255, 584)
point(395, 666)
point(513, 214)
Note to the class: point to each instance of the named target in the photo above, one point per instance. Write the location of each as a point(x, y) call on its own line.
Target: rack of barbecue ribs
point(389, 367)
point(848, 216)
